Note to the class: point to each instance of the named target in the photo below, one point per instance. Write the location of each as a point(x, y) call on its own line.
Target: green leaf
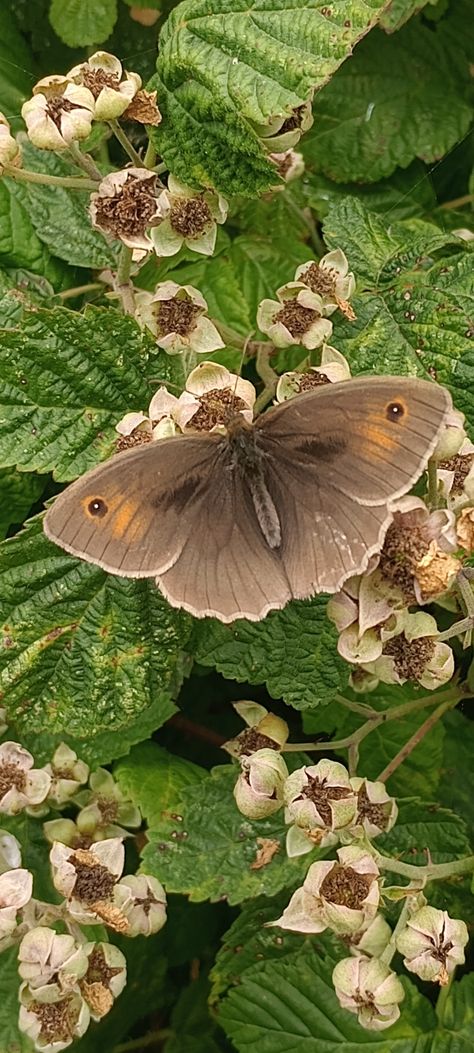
point(222, 67)
point(82, 651)
point(213, 860)
point(19, 244)
point(12, 1040)
point(456, 788)
point(420, 772)
point(35, 851)
point(290, 1005)
point(263, 264)
point(16, 69)
point(65, 381)
point(154, 779)
point(59, 216)
point(292, 651)
point(399, 11)
point(18, 492)
point(456, 1029)
point(408, 192)
point(415, 316)
point(81, 22)
point(422, 826)
point(398, 98)
point(193, 1028)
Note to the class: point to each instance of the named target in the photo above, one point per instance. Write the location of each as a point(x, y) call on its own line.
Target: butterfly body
point(236, 525)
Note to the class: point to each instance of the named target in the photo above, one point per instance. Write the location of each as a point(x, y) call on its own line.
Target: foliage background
point(104, 663)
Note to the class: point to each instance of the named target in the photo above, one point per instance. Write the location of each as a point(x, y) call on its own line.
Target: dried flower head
point(367, 987)
point(125, 207)
point(176, 315)
point(331, 280)
point(433, 944)
point(144, 109)
point(410, 651)
point(10, 152)
point(456, 476)
point(258, 791)
point(289, 165)
point(417, 552)
point(136, 429)
point(334, 368)
point(320, 798)
point(141, 898)
point(295, 318)
point(340, 895)
point(21, 785)
point(376, 810)
point(104, 979)
point(465, 530)
point(52, 1021)
point(264, 730)
point(213, 397)
point(284, 131)
point(111, 86)
point(60, 113)
point(190, 218)
point(87, 878)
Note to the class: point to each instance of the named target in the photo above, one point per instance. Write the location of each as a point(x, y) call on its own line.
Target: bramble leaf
point(81, 22)
point(16, 69)
point(399, 97)
point(223, 69)
point(83, 652)
point(292, 651)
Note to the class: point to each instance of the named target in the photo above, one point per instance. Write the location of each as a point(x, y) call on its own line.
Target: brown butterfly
point(235, 525)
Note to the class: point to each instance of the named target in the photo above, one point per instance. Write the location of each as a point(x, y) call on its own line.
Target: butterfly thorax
point(248, 458)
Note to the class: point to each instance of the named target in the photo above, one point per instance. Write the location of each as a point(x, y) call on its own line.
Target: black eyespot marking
point(97, 508)
point(395, 411)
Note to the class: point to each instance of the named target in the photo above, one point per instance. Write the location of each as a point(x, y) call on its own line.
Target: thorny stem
point(79, 290)
point(448, 698)
point(415, 739)
point(24, 176)
point(123, 285)
point(433, 496)
point(126, 144)
point(464, 587)
point(430, 872)
point(85, 162)
point(456, 630)
point(356, 707)
point(267, 374)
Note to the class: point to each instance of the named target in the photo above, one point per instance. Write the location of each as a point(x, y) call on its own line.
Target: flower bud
point(105, 808)
point(367, 987)
point(10, 153)
point(67, 775)
point(264, 730)
point(47, 958)
point(258, 791)
point(373, 940)
point(433, 944)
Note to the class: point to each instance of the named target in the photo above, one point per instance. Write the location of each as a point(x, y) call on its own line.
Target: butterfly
point(234, 525)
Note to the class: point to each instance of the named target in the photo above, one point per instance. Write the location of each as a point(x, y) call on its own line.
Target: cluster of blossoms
point(67, 978)
point(325, 805)
point(301, 313)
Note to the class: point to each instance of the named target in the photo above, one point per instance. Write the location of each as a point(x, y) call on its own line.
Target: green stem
point(353, 758)
point(457, 629)
point(448, 698)
point(443, 999)
point(85, 162)
point(71, 182)
point(356, 707)
point(123, 285)
point(126, 144)
point(159, 169)
point(267, 374)
point(389, 951)
point(153, 1038)
point(80, 290)
point(433, 495)
point(415, 739)
point(149, 159)
point(467, 594)
point(430, 872)
point(458, 202)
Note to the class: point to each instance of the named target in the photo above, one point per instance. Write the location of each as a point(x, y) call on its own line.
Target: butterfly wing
point(336, 458)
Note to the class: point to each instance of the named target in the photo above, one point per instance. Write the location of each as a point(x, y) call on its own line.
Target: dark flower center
point(346, 887)
point(93, 882)
point(403, 548)
point(374, 813)
point(137, 438)
point(320, 280)
point(11, 775)
point(321, 794)
point(176, 316)
point(190, 216)
point(461, 465)
point(131, 208)
point(217, 407)
point(410, 657)
point(251, 740)
point(57, 106)
point(96, 79)
point(294, 121)
point(296, 318)
point(311, 379)
point(98, 971)
point(57, 1019)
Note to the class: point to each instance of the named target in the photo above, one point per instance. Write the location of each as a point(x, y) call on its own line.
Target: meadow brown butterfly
point(236, 525)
